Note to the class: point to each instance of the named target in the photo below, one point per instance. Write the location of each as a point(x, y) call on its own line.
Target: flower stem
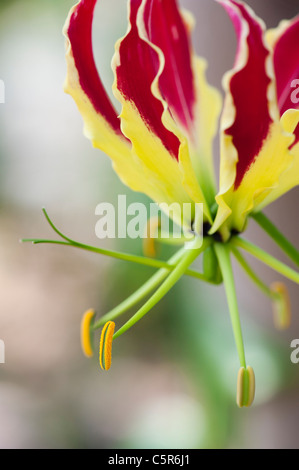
point(223, 254)
point(277, 236)
point(153, 263)
point(179, 270)
point(266, 258)
point(111, 253)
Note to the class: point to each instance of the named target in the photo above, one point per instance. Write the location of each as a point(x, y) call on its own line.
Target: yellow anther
point(86, 333)
point(105, 351)
point(281, 305)
point(151, 230)
point(245, 387)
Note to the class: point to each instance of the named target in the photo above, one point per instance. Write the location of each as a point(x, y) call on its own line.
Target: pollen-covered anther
point(105, 352)
point(151, 232)
point(281, 305)
point(245, 387)
point(86, 332)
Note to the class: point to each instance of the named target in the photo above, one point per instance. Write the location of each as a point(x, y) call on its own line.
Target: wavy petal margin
point(194, 105)
point(165, 29)
point(254, 147)
point(101, 123)
point(145, 118)
point(83, 81)
point(284, 40)
point(162, 178)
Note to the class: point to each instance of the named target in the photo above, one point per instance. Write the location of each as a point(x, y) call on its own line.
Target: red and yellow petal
point(254, 143)
point(182, 81)
point(159, 175)
point(83, 82)
point(284, 40)
point(146, 119)
point(194, 105)
point(165, 28)
point(101, 123)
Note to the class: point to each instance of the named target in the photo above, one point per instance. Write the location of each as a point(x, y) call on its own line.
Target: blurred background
point(173, 378)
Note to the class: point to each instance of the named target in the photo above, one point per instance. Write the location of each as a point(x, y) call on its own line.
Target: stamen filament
point(149, 241)
point(277, 292)
point(138, 295)
point(174, 276)
point(223, 254)
point(277, 236)
point(249, 271)
point(266, 258)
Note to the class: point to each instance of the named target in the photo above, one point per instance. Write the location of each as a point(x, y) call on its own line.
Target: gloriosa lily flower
point(161, 144)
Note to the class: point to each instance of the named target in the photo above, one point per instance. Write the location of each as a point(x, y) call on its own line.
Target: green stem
point(266, 258)
point(174, 276)
point(277, 236)
point(113, 254)
point(223, 254)
point(138, 295)
point(153, 263)
point(55, 228)
point(249, 271)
